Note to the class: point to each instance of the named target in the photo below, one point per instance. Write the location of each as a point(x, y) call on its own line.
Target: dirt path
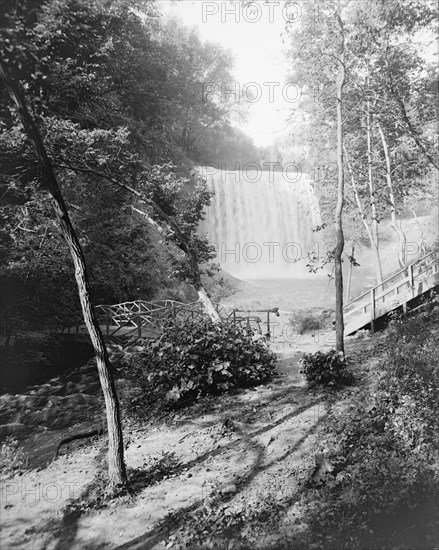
point(254, 443)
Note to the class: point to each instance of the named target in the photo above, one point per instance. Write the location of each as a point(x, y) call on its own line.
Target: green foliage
point(126, 103)
point(304, 321)
point(328, 369)
point(193, 359)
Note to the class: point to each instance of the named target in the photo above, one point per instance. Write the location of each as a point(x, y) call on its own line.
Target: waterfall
point(261, 222)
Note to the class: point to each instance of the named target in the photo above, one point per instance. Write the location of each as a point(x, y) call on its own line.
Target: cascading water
point(261, 222)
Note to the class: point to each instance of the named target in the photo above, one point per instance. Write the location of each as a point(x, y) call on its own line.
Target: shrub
point(305, 321)
point(329, 369)
point(192, 359)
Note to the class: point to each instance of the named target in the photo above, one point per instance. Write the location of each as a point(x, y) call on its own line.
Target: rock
point(46, 389)
point(70, 388)
point(6, 399)
point(92, 388)
point(229, 488)
point(56, 400)
point(80, 399)
point(30, 401)
point(11, 429)
point(266, 439)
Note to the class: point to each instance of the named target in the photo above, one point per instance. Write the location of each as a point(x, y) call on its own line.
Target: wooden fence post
point(372, 310)
point(268, 324)
point(412, 280)
point(139, 321)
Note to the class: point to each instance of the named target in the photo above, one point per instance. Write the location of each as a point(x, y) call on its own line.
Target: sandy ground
point(253, 443)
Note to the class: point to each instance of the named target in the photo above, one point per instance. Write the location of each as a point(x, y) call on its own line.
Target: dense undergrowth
point(382, 444)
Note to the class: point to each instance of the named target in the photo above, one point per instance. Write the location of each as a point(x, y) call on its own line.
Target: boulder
point(13, 428)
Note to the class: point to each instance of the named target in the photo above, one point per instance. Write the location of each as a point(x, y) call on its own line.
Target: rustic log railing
point(131, 322)
point(396, 291)
point(244, 318)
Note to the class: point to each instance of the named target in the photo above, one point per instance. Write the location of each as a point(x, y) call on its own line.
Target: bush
point(305, 321)
point(192, 359)
point(328, 369)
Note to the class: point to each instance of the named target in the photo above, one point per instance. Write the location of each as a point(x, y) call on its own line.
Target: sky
point(254, 35)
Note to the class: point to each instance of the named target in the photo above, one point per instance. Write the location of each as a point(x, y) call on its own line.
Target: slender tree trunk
point(423, 247)
point(358, 200)
point(375, 248)
point(116, 466)
point(187, 249)
point(348, 288)
point(394, 222)
point(338, 218)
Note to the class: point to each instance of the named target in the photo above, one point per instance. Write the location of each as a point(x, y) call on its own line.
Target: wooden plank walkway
point(395, 292)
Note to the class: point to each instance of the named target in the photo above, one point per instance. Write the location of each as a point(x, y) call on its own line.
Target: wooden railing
point(394, 292)
point(141, 319)
point(130, 322)
point(246, 318)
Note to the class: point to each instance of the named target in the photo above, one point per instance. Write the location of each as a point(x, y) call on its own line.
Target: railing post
point(268, 324)
point(139, 322)
point(372, 310)
point(412, 280)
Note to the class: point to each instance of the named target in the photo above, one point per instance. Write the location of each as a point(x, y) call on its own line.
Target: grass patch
point(305, 321)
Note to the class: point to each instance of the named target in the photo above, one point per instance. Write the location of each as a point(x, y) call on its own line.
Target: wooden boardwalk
point(395, 292)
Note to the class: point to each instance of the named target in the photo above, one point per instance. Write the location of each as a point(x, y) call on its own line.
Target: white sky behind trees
point(258, 50)
point(254, 35)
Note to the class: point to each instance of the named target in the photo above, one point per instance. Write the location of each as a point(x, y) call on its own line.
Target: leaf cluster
point(326, 368)
point(196, 358)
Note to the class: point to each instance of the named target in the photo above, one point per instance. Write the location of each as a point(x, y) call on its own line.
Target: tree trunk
point(339, 322)
point(423, 247)
point(358, 201)
point(394, 222)
point(348, 288)
point(375, 248)
point(193, 260)
point(207, 304)
point(116, 466)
